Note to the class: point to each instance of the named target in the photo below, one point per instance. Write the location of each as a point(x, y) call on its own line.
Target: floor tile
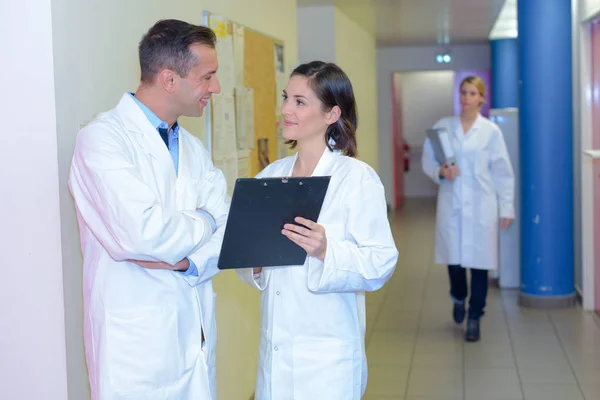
point(501, 382)
point(552, 392)
point(440, 382)
point(387, 381)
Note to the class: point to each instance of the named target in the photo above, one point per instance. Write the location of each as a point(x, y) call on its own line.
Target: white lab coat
point(313, 315)
point(470, 206)
point(143, 328)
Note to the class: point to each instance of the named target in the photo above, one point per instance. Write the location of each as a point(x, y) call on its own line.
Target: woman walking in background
point(475, 196)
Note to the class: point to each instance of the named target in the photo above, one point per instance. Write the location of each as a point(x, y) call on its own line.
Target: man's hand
point(182, 265)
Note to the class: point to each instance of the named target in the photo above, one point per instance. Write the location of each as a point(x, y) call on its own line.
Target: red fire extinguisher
point(406, 148)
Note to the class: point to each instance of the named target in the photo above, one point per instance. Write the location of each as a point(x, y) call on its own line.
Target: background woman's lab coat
point(313, 315)
point(470, 206)
point(143, 328)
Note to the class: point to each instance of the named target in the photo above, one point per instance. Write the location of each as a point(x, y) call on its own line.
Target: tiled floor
point(416, 352)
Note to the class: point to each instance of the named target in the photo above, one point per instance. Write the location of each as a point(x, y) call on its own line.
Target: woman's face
point(470, 98)
point(303, 115)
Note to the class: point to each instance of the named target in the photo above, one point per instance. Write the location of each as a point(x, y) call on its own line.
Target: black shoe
point(473, 333)
point(458, 312)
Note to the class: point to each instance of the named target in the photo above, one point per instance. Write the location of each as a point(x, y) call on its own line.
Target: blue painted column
point(505, 73)
point(546, 131)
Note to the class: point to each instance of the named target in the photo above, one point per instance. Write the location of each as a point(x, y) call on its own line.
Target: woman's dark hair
point(333, 88)
point(167, 45)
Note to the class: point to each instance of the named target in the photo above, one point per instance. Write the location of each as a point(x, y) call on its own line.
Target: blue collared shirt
point(174, 150)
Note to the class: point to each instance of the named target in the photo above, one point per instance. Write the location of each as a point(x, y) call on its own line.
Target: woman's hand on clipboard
point(309, 235)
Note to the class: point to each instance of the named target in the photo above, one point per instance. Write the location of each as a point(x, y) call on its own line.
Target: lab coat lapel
point(145, 134)
point(457, 130)
point(323, 167)
point(476, 125)
point(185, 181)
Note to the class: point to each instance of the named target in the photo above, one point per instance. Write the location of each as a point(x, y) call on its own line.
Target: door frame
point(587, 174)
point(398, 149)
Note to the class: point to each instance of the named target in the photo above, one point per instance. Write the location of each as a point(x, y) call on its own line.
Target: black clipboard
point(259, 209)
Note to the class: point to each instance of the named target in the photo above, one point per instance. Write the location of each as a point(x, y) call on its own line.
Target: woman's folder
point(259, 209)
point(442, 146)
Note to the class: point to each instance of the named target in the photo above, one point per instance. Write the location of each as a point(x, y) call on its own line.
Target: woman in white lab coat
point(313, 315)
point(475, 196)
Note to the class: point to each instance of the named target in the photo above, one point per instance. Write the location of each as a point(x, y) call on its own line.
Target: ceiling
point(426, 22)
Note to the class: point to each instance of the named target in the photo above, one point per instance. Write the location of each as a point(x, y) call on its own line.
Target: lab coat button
point(278, 293)
point(276, 348)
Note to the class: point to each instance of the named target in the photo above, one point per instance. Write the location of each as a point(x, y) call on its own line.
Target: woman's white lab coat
point(470, 206)
point(313, 315)
point(143, 328)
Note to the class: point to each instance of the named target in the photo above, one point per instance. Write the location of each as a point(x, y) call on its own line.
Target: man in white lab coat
point(151, 209)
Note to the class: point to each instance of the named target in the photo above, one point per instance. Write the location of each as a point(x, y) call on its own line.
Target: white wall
point(424, 98)
point(316, 34)
point(326, 33)
point(356, 54)
point(32, 337)
point(95, 52)
point(413, 58)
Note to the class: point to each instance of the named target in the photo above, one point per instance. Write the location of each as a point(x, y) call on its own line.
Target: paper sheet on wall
point(280, 76)
point(229, 166)
point(281, 81)
point(226, 73)
point(244, 98)
point(243, 159)
point(238, 54)
point(223, 126)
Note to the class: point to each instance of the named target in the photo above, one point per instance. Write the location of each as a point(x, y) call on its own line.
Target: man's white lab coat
point(143, 328)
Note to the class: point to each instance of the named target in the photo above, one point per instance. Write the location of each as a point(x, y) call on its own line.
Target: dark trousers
point(479, 288)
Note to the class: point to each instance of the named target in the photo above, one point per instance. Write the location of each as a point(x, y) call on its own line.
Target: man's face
point(193, 92)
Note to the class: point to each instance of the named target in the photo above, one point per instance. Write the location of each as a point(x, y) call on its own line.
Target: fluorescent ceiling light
point(505, 26)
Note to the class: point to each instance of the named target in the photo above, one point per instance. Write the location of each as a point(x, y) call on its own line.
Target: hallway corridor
point(416, 352)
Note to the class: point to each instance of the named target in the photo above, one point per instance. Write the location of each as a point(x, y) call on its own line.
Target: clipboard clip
point(284, 180)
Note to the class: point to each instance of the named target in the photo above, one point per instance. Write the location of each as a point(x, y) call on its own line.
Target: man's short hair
point(167, 45)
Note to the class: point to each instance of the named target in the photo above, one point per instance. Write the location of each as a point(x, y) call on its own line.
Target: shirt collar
point(153, 118)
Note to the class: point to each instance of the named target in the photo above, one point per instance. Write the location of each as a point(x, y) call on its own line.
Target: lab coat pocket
point(142, 349)
point(326, 369)
point(188, 193)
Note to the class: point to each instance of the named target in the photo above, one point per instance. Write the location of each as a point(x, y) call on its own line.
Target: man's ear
point(167, 78)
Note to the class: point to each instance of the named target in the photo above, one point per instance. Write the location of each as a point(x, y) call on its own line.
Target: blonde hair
point(478, 83)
